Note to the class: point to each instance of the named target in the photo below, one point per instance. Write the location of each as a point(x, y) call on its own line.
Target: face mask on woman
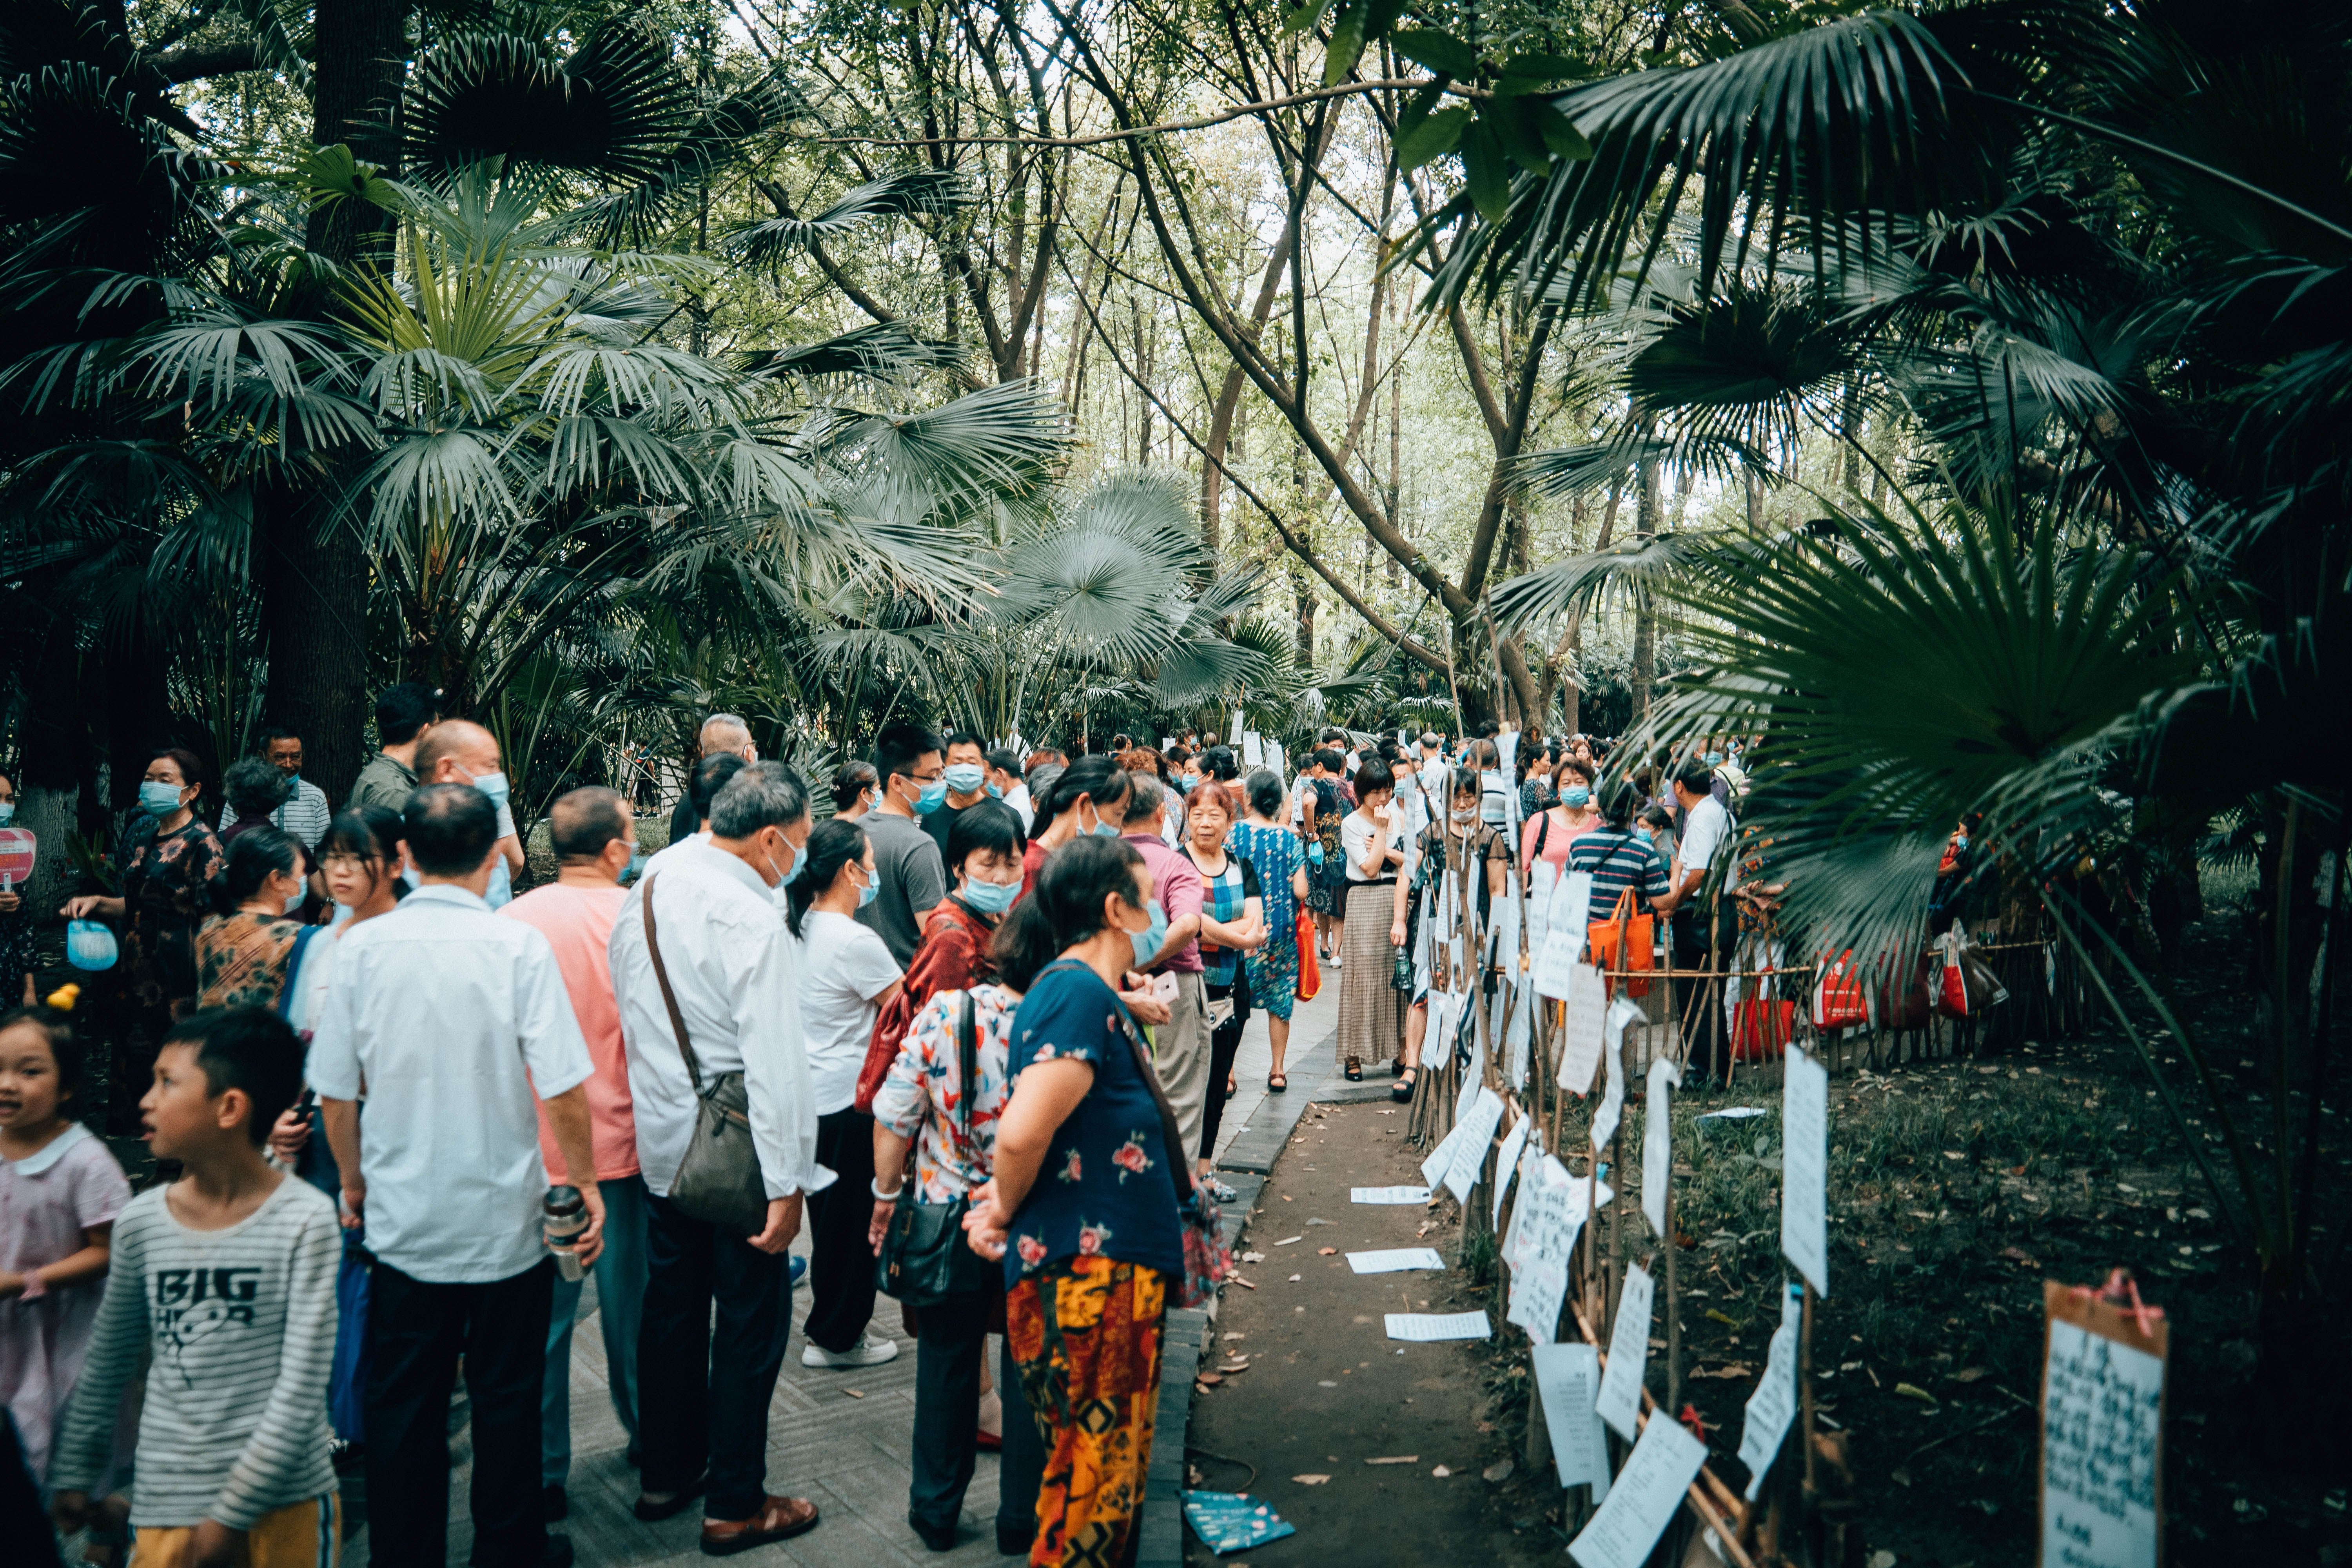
point(873, 886)
point(157, 798)
point(1103, 828)
point(7, 812)
point(990, 898)
point(1463, 816)
point(295, 902)
point(1575, 794)
point(1147, 943)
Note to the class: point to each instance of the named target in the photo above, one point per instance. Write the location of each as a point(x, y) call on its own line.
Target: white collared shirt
point(452, 1018)
point(732, 964)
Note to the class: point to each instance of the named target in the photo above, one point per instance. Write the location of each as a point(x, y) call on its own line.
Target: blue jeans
point(620, 1271)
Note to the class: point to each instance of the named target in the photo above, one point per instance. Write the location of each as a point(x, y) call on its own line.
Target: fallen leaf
point(1902, 1476)
point(1396, 1459)
point(1912, 1391)
point(1497, 1470)
point(1243, 1366)
point(1716, 1314)
point(1440, 1473)
point(853, 1394)
point(1310, 1480)
point(1327, 1251)
point(2017, 1254)
point(1736, 1369)
point(1238, 1279)
point(1237, 1334)
point(1286, 1240)
point(1971, 1374)
point(1211, 1378)
point(1252, 1258)
point(1319, 1222)
point(1296, 1278)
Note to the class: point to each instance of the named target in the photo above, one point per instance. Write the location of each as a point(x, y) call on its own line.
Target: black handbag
point(924, 1260)
point(718, 1179)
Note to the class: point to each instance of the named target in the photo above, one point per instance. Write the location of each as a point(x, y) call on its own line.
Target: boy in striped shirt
point(227, 1276)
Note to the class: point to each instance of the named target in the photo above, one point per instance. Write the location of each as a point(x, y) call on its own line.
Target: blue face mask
point(1575, 794)
point(1147, 943)
point(964, 778)
point(996, 791)
point(1103, 829)
point(865, 894)
point(159, 799)
point(634, 868)
point(7, 812)
point(990, 898)
point(1715, 759)
point(933, 793)
point(786, 879)
point(493, 784)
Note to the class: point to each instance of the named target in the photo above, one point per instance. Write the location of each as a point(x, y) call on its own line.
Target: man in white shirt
point(1006, 783)
point(305, 813)
point(1436, 787)
point(457, 751)
point(1706, 836)
point(730, 967)
point(451, 1018)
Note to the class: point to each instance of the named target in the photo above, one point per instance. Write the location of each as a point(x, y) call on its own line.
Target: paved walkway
point(843, 1438)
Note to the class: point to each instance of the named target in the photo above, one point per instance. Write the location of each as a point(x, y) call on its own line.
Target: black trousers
point(416, 1329)
point(841, 1265)
point(688, 1418)
point(1698, 1004)
point(1224, 1045)
point(949, 1343)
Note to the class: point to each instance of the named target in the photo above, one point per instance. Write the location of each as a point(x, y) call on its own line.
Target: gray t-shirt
point(914, 880)
point(240, 1324)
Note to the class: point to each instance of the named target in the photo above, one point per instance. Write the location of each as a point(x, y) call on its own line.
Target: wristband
point(875, 1186)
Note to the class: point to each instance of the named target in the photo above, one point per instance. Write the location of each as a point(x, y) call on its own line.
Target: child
point(59, 1193)
point(228, 1275)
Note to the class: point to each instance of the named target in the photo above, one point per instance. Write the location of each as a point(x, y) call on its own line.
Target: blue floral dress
point(1274, 853)
point(1105, 1190)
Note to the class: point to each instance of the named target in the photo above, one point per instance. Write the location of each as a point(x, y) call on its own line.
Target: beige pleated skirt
point(1372, 1010)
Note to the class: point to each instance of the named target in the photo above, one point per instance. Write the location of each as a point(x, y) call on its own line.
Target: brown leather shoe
point(779, 1518)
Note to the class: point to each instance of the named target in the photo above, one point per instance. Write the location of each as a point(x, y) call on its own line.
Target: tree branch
point(201, 60)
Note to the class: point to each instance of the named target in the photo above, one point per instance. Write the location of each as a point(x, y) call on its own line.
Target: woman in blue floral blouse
point(1082, 1206)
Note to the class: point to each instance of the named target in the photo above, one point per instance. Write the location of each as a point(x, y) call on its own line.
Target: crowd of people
point(973, 1027)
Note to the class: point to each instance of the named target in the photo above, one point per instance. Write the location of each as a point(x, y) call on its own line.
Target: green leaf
point(1543, 68)
point(1441, 52)
point(1432, 138)
point(1416, 110)
point(1347, 43)
point(1521, 135)
point(1487, 170)
point(330, 174)
point(1304, 17)
point(1563, 138)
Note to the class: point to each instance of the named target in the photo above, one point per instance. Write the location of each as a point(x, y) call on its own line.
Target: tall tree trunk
point(1646, 621)
point(314, 573)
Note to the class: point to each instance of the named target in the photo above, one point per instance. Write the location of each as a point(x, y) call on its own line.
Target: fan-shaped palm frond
point(880, 351)
point(773, 240)
point(615, 109)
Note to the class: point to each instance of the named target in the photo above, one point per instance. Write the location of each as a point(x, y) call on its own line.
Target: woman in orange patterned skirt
point(1082, 1205)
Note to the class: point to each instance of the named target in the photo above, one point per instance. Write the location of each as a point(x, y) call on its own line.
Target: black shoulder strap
point(967, 1061)
point(669, 997)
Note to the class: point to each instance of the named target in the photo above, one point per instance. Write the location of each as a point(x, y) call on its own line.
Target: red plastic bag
point(1838, 1001)
point(1904, 1005)
point(1310, 974)
point(1761, 1030)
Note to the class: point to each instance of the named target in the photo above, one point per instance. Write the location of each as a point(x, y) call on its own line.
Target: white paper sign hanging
point(1568, 1377)
point(1583, 1027)
point(1606, 1115)
point(1774, 1403)
point(1625, 1529)
point(1804, 1169)
point(1658, 1144)
point(1629, 1354)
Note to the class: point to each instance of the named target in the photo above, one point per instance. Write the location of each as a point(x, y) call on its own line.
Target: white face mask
point(296, 901)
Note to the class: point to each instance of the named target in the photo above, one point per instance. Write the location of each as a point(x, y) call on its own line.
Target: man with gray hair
point(1179, 1051)
point(722, 734)
point(703, 934)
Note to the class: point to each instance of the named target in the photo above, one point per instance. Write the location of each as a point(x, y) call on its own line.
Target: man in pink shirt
point(1180, 1046)
point(595, 834)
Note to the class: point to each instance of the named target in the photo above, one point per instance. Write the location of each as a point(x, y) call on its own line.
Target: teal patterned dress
point(1274, 853)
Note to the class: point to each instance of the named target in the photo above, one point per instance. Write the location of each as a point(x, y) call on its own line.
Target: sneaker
point(867, 1351)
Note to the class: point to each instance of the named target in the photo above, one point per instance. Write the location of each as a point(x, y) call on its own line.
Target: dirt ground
point(1956, 1185)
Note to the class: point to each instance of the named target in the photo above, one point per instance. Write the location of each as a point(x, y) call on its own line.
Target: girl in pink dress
point(59, 1192)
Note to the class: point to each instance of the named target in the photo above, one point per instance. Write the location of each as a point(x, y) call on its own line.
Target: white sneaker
point(867, 1351)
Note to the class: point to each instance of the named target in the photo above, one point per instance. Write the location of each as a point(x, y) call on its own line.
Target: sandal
point(1276, 1082)
point(1397, 1067)
point(1355, 1070)
point(1401, 1091)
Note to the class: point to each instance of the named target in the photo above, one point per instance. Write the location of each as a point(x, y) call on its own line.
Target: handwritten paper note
point(1610, 1111)
point(1395, 1260)
point(1567, 1378)
point(1421, 1327)
point(1519, 1035)
point(1544, 1230)
point(1587, 994)
point(1648, 1491)
point(1629, 1354)
point(2102, 1453)
point(1233, 737)
point(1774, 1403)
point(1506, 1162)
point(1571, 905)
point(1541, 880)
point(1658, 1144)
point(1440, 1160)
point(1503, 944)
point(1253, 749)
point(1804, 1169)
point(1388, 1195)
point(1478, 1130)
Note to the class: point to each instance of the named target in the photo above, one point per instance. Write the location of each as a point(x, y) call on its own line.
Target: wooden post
point(1673, 1299)
point(1805, 1386)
